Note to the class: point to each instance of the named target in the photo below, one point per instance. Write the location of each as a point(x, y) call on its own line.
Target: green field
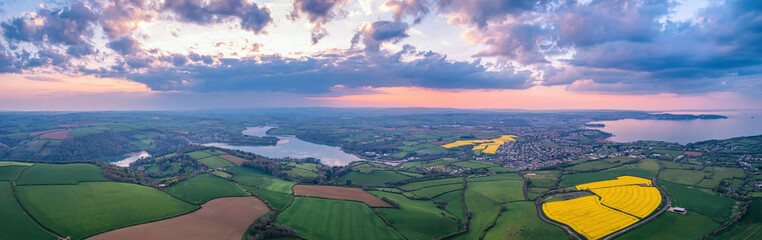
point(9, 173)
point(417, 219)
point(14, 224)
point(83, 131)
point(483, 213)
point(673, 226)
point(454, 204)
point(429, 183)
point(434, 191)
point(519, 220)
point(277, 200)
point(204, 187)
point(9, 163)
point(215, 162)
point(74, 173)
point(592, 166)
point(93, 207)
point(748, 227)
point(682, 176)
point(645, 168)
point(374, 178)
point(675, 165)
point(199, 154)
point(251, 179)
point(499, 191)
point(569, 180)
point(317, 218)
point(716, 207)
point(475, 164)
point(497, 178)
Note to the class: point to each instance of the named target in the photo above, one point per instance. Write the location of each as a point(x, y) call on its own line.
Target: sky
point(499, 54)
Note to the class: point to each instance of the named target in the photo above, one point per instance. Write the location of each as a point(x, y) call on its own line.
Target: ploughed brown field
point(61, 134)
point(235, 160)
point(222, 218)
point(343, 193)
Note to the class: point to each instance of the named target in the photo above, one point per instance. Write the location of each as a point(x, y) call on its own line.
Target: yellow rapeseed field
point(611, 208)
point(489, 146)
point(620, 181)
point(633, 199)
point(587, 216)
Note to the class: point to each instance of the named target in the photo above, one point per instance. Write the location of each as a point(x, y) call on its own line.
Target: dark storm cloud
point(318, 74)
point(318, 12)
point(372, 35)
point(252, 17)
point(479, 12)
point(7, 61)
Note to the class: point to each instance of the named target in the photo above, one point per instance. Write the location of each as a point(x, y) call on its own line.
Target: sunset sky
point(517, 54)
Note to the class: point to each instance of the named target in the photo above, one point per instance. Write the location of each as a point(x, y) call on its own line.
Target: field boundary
point(26, 212)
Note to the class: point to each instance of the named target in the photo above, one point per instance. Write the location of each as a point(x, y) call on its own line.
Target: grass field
point(569, 180)
point(475, 164)
point(14, 224)
point(499, 191)
point(673, 226)
point(250, 179)
point(593, 165)
point(61, 174)
point(749, 227)
point(497, 178)
point(682, 176)
point(436, 190)
point(519, 220)
point(10, 163)
point(199, 154)
point(417, 219)
point(373, 178)
point(8, 173)
point(317, 218)
point(716, 207)
point(204, 187)
point(429, 183)
point(454, 205)
point(644, 168)
point(674, 165)
point(277, 200)
point(483, 213)
point(215, 162)
point(88, 208)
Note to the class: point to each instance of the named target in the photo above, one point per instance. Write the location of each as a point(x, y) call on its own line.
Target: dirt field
point(235, 160)
point(222, 218)
point(62, 134)
point(344, 193)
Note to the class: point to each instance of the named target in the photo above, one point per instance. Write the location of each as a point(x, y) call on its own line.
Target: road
point(662, 210)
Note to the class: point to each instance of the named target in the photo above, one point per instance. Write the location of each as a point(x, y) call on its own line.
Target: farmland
point(673, 226)
point(222, 218)
point(716, 207)
point(204, 187)
point(317, 218)
point(14, 224)
point(519, 220)
point(486, 146)
point(417, 219)
point(587, 216)
point(89, 208)
point(40, 174)
point(484, 212)
point(373, 178)
point(344, 193)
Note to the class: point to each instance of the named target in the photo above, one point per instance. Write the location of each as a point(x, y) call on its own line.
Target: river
point(738, 124)
point(293, 147)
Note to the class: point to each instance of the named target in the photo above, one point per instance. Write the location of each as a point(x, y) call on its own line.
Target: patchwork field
point(215, 162)
point(698, 200)
point(317, 218)
point(89, 208)
point(483, 210)
point(204, 187)
point(373, 178)
point(672, 226)
point(344, 193)
point(235, 160)
point(434, 191)
point(222, 218)
point(430, 183)
point(74, 173)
